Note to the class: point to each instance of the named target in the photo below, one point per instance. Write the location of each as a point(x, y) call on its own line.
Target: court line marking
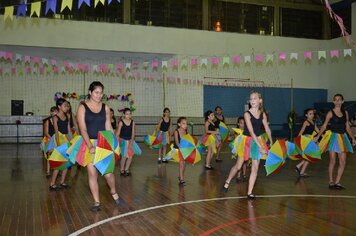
point(96, 224)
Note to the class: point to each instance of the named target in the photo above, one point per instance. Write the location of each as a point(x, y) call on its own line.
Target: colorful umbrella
point(173, 155)
point(78, 151)
point(292, 152)
point(188, 149)
point(106, 152)
point(59, 159)
point(223, 131)
point(307, 148)
point(209, 139)
point(324, 142)
point(149, 139)
point(44, 145)
point(62, 138)
point(276, 157)
point(237, 131)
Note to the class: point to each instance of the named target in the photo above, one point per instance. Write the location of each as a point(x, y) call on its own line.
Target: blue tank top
point(165, 125)
point(126, 130)
point(62, 125)
point(256, 125)
point(338, 124)
point(309, 129)
point(94, 122)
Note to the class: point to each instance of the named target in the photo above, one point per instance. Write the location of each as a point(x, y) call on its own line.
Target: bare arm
point(176, 141)
point(325, 124)
point(305, 123)
point(267, 129)
point(118, 130)
point(55, 125)
point(133, 131)
point(348, 129)
point(68, 125)
point(46, 128)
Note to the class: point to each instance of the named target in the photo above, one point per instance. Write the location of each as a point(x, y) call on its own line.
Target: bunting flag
point(259, 58)
point(97, 1)
point(21, 10)
point(184, 63)
point(236, 60)
point(334, 53)
point(321, 55)
point(247, 59)
point(174, 63)
point(66, 4)
point(269, 58)
point(109, 1)
point(80, 2)
point(282, 56)
point(308, 55)
point(293, 56)
point(194, 61)
point(18, 57)
point(347, 52)
point(127, 66)
point(204, 62)
point(35, 9)
point(9, 13)
point(51, 5)
point(164, 64)
point(226, 60)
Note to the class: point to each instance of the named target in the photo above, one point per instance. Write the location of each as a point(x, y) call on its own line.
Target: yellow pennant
point(97, 1)
point(9, 13)
point(35, 9)
point(67, 3)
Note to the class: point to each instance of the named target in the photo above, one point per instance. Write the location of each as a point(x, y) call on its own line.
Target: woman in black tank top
point(60, 124)
point(339, 125)
point(94, 116)
point(307, 129)
point(163, 132)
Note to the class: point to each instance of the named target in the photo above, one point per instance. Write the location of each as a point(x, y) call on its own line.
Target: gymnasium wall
point(94, 43)
point(277, 101)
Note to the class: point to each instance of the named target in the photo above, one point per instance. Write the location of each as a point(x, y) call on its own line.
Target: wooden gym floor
point(154, 204)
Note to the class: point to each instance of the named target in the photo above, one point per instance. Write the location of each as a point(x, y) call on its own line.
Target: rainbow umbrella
point(62, 138)
point(223, 131)
point(106, 152)
point(149, 139)
point(157, 142)
point(324, 142)
point(44, 144)
point(188, 149)
point(173, 155)
point(276, 157)
point(209, 139)
point(78, 151)
point(237, 131)
point(307, 148)
point(59, 159)
point(292, 152)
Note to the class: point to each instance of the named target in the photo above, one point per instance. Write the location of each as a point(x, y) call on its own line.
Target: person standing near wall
point(336, 141)
point(94, 116)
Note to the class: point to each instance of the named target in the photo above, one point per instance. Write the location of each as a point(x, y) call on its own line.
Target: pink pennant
point(174, 63)
point(28, 70)
point(119, 67)
point(53, 62)
point(308, 55)
point(282, 56)
point(214, 61)
point(13, 71)
point(27, 59)
point(259, 58)
point(154, 64)
point(8, 56)
point(194, 62)
point(55, 69)
point(36, 60)
point(66, 64)
point(334, 53)
point(236, 59)
point(2, 54)
point(41, 70)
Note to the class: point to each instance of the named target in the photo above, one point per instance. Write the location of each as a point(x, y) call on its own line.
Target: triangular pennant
point(67, 4)
point(9, 13)
point(35, 8)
